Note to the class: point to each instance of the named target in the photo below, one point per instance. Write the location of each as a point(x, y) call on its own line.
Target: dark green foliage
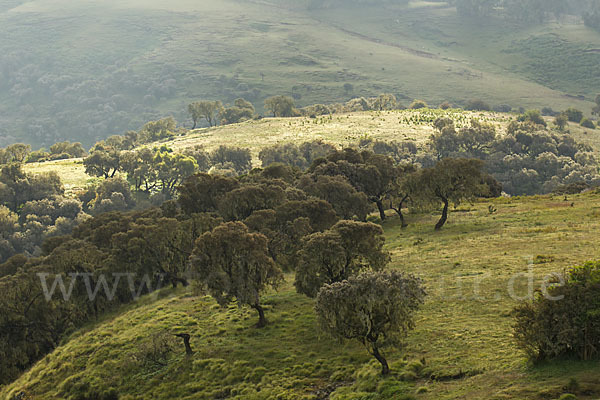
point(564, 321)
point(158, 130)
point(450, 181)
point(339, 253)
point(470, 141)
point(235, 264)
point(286, 225)
point(202, 192)
point(281, 106)
point(13, 264)
point(298, 156)
point(588, 123)
point(241, 202)
point(153, 248)
point(236, 158)
point(349, 310)
point(533, 116)
point(17, 152)
point(549, 112)
point(385, 101)
point(370, 173)
point(574, 115)
point(418, 104)
point(34, 209)
point(113, 194)
point(477, 105)
point(337, 191)
point(528, 160)
point(561, 121)
point(72, 150)
point(200, 155)
point(18, 187)
point(103, 161)
point(242, 110)
point(572, 188)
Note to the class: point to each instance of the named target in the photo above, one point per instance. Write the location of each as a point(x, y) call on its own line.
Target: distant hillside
point(85, 70)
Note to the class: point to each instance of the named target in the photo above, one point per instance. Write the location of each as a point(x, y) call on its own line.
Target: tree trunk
point(403, 223)
point(444, 217)
point(186, 341)
point(194, 127)
point(381, 209)
point(399, 211)
point(262, 321)
point(385, 368)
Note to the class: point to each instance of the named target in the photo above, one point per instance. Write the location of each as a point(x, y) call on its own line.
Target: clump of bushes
point(587, 123)
point(477, 105)
point(418, 104)
point(564, 319)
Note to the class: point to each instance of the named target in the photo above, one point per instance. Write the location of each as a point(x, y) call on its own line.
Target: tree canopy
point(234, 263)
point(375, 308)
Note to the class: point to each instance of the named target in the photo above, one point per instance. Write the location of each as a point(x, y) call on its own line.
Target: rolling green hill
point(88, 69)
point(462, 346)
point(341, 129)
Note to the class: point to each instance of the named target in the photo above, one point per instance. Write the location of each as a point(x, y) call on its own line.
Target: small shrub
point(548, 112)
point(418, 104)
point(477, 105)
point(587, 123)
point(503, 108)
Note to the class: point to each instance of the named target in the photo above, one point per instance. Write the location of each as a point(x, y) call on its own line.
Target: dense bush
point(528, 160)
point(588, 123)
point(564, 321)
point(477, 105)
point(300, 156)
point(574, 115)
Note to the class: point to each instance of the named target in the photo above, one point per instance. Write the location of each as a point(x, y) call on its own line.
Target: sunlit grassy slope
point(341, 129)
point(95, 68)
point(463, 334)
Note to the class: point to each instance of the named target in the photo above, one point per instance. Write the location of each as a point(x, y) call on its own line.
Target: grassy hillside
point(463, 335)
point(342, 130)
point(84, 70)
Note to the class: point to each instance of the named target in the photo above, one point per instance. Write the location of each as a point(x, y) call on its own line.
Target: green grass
point(71, 172)
point(463, 333)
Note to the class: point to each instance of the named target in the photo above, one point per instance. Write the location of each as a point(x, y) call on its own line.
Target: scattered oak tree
point(346, 249)
point(235, 264)
point(375, 308)
point(281, 106)
point(202, 192)
point(209, 110)
point(103, 161)
point(451, 180)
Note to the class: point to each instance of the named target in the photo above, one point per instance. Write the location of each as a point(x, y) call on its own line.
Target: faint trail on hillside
point(419, 53)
